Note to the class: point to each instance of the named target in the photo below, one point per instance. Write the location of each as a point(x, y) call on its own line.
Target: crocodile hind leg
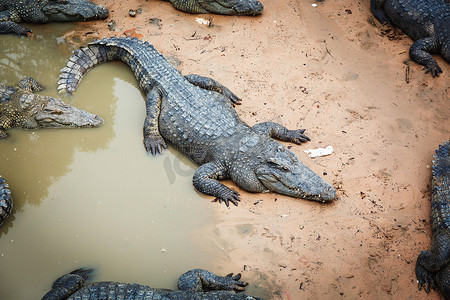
point(277, 131)
point(433, 261)
point(153, 141)
point(198, 280)
point(68, 284)
point(212, 85)
point(206, 178)
point(420, 53)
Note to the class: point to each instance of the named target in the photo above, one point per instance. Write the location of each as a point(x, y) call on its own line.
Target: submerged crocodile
point(6, 202)
point(45, 11)
point(194, 284)
point(196, 115)
point(427, 22)
point(21, 107)
point(433, 266)
point(224, 7)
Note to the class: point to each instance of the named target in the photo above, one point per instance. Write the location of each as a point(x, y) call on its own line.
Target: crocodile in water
point(224, 7)
point(194, 284)
point(433, 266)
point(45, 11)
point(21, 107)
point(196, 115)
point(427, 22)
point(6, 202)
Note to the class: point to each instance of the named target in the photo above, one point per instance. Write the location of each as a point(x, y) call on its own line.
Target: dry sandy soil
point(329, 69)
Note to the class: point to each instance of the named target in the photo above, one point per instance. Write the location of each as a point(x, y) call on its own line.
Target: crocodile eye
point(272, 164)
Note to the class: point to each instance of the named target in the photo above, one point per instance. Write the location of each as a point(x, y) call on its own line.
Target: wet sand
point(330, 70)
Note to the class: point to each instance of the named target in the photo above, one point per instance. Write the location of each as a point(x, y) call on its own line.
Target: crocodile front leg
point(11, 27)
point(198, 280)
point(277, 131)
point(153, 141)
point(212, 85)
point(431, 262)
point(206, 178)
point(68, 284)
point(8, 23)
point(420, 53)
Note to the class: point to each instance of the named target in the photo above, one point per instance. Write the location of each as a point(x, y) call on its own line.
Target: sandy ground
point(328, 69)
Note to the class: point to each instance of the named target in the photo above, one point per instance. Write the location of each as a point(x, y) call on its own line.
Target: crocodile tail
point(6, 202)
point(108, 49)
point(82, 60)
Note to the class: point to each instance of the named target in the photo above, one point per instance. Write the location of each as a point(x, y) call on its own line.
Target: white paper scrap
point(319, 151)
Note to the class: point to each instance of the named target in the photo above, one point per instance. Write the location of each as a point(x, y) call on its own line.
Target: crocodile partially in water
point(224, 7)
point(194, 284)
point(6, 202)
point(433, 266)
point(13, 12)
point(21, 107)
point(196, 115)
point(427, 22)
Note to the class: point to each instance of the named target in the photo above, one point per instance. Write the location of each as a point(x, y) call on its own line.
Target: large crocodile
point(6, 202)
point(45, 11)
point(196, 115)
point(224, 7)
point(427, 22)
point(21, 107)
point(433, 266)
point(194, 284)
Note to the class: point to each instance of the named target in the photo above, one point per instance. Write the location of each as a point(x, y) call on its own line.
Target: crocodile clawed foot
point(232, 197)
point(425, 280)
point(23, 31)
point(235, 100)
point(298, 137)
point(234, 282)
point(235, 277)
point(154, 144)
point(433, 68)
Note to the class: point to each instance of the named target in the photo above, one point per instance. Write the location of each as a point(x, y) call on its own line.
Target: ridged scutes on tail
point(97, 52)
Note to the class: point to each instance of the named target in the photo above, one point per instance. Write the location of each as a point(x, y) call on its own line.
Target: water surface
point(93, 197)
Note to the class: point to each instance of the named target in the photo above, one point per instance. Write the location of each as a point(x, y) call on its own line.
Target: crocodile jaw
point(74, 10)
point(57, 114)
point(283, 173)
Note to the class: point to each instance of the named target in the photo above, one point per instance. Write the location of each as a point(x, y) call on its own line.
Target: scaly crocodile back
point(190, 117)
point(440, 199)
point(6, 202)
point(419, 18)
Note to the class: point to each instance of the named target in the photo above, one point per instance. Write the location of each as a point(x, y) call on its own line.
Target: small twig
point(407, 74)
point(328, 51)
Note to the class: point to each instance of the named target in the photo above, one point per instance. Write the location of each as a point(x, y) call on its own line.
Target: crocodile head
point(72, 10)
point(57, 114)
point(231, 7)
point(279, 170)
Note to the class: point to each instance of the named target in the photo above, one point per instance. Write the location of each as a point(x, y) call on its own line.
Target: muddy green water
point(93, 197)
